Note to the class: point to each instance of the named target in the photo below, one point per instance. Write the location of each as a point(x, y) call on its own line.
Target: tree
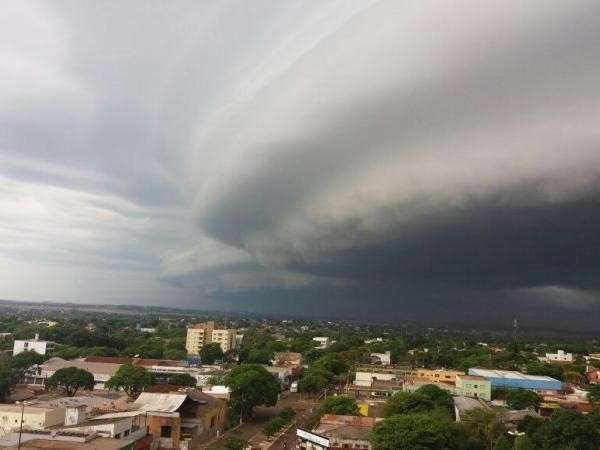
point(234, 443)
point(71, 379)
point(175, 354)
point(332, 363)
point(440, 397)
point(340, 405)
point(313, 381)
point(524, 442)
point(273, 426)
point(594, 395)
point(211, 352)
point(487, 424)
point(259, 356)
point(182, 379)
point(503, 444)
point(411, 432)
point(251, 385)
point(547, 370)
point(132, 379)
point(26, 359)
point(522, 399)
point(407, 403)
point(573, 377)
point(568, 429)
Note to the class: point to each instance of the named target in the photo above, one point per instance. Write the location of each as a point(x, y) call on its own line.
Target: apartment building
point(225, 338)
point(205, 333)
point(473, 386)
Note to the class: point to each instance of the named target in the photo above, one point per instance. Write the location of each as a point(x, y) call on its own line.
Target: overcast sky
point(367, 159)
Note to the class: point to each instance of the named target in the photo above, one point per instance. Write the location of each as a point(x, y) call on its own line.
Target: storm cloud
point(390, 158)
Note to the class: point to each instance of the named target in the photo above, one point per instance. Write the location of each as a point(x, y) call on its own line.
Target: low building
point(560, 357)
point(284, 374)
point(293, 359)
point(366, 378)
point(377, 389)
point(464, 405)
point(35, 417)
point(438, 375)
point(333, 432)
point(36, 345)
point(473, 386)
point(182, 419)
point(148, 330)
point(322, 341)
point(37, 375)
point(384, 359)
point(592, 374)
point(513, 379)
point(218, 391)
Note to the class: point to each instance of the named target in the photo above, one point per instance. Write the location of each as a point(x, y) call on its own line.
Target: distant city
point(77, 377)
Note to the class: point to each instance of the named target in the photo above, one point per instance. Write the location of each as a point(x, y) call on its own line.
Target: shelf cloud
point(328, 158)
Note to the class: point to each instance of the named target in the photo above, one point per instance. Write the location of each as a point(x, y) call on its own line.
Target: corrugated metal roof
point(151, 401)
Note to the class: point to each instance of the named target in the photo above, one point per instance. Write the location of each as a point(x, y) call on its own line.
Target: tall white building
point(35, 344)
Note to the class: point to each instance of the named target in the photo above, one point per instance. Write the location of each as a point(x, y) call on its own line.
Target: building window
point(118, 436)
point(165, 431)
point(212, 421)
point(125, 433)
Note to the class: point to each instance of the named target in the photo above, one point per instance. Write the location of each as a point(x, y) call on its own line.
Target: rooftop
point(95, 444)
point(471, 377)
point(487, 373)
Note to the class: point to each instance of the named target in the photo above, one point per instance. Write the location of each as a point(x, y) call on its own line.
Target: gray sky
point(378, 158)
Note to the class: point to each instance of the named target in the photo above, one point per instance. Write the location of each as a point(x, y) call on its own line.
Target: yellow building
point(205, 333)
point(438, 375)
point(225, 338)
point(198, 336)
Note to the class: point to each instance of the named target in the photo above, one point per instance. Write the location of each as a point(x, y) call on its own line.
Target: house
point(39, 346)
point(473, 386)
point(184, 418)
point(384, 359)
point(464, 405)
point(336, 431)
point(323, 342)
point(560, 357)
point(284, 374)
point(438, 375)
point(102, 372)
point(35, 416)
point(592, 374)
point(287, 359)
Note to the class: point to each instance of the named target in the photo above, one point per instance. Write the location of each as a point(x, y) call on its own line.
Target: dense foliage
point(132, 379)
point(251, 385)
point(71, 379)
point(211, 352)
point(342, 405)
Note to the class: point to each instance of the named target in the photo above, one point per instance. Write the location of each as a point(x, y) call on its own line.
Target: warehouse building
point(513, 379)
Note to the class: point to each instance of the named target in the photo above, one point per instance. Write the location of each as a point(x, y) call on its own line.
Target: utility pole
point(21, 424)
